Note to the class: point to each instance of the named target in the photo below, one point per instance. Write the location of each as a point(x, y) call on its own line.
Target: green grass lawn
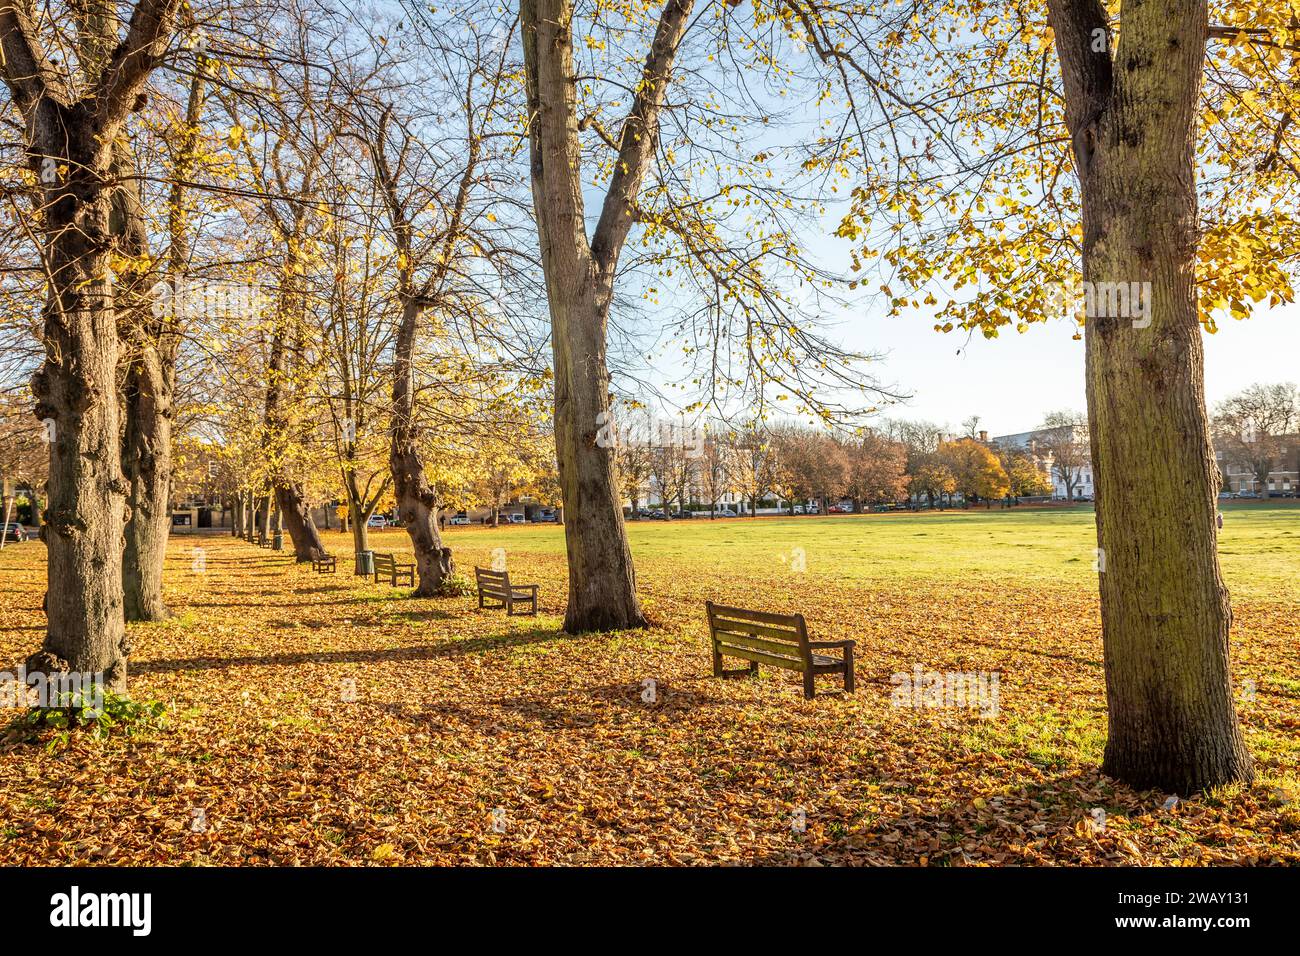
point(1259, 545)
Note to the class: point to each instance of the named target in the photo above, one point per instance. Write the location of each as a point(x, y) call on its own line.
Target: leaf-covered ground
point(326, 720)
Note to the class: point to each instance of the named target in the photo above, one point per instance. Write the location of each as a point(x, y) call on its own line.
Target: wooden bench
point(496, 586)
point(779, 640)
point(323, 563)
point(263, 541)
point(386, 564)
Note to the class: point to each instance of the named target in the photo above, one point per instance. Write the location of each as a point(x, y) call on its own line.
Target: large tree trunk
point(295, 513)
point(1164, 606)
point(290, 496)
point(76, 387)
point(579, 286)
point(360, 530)
point(146, 459)
point(417, 503)
point(151, 379)
point(146, 444)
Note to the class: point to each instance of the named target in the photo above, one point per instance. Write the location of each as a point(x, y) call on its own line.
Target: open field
point(459, 713)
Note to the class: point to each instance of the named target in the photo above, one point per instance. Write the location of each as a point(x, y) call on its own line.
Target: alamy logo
point(51, 691)
point(197, 299)
point(75, 908)
point(1100, 300)
point(968, 690)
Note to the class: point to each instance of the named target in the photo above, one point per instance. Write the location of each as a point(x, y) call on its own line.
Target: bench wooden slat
point(763, 617)
point(762, 644)
point(758, 657)
point(744, 627)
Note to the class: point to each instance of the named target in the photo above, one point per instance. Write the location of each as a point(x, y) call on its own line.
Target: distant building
point(1284, 479)
point(1035, 443)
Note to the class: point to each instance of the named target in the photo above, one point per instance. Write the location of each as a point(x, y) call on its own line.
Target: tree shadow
point(426, 652)
point(563, 709)
point(1044, 817)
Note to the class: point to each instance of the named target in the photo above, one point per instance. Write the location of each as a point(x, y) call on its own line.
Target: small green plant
point(114, 713)
point(455, 585)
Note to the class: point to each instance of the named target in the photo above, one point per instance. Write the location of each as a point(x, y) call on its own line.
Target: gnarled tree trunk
point(1164, 606)
point(69, 144)
point(417, 503)
point(295, 513)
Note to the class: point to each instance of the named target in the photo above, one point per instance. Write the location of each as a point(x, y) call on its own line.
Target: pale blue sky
point(1011, 381)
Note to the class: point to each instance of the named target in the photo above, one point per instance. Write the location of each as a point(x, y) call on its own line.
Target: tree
point(976, 471)
point(928, 475)
point(634, 460)
point(439, 194)
point(877, 468)
point(672, 464)
point(1253, 428)
point(152, 339)
point(712, 221)
point(285, 164)
point(357, 340)
point(717, 470)
point(755, 465)
point(1011, 178)
point(812, 464)
point(580, 286)
point(69, 143)
point(1025, 475)
point(1063, 436)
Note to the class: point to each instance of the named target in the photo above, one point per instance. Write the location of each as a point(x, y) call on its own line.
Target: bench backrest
point(492, 583)
point(777, 639)
point(385, 562)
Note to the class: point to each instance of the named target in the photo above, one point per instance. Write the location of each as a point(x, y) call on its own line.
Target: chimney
point(984, 436)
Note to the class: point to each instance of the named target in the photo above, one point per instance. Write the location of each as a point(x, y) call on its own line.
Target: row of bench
point(493, 586)
point(759, 637)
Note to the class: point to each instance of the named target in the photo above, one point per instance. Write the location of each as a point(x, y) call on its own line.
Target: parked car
point(545, 515)
point(376, 521)
point(459, 518)
point(14, 531)
point(726, 513)
point(659, 515)
point(1247, 494)
point(516, 519)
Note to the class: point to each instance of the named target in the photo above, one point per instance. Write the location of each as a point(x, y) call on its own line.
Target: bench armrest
point(846, 645)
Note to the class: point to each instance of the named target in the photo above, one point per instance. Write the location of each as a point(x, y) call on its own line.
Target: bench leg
point(848, 672)
point(717, 659)
point(809, 690)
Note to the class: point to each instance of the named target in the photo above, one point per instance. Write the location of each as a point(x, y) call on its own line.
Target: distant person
point(1218, 519)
